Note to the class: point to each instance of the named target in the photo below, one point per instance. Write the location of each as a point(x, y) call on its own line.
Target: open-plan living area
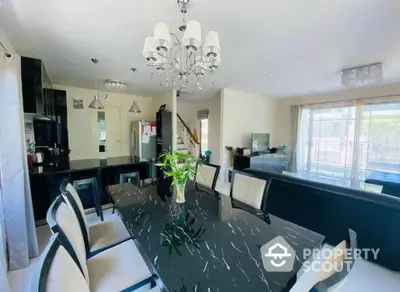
point(199, 145)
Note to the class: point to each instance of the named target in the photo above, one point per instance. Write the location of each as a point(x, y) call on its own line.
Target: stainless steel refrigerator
point(144, 140)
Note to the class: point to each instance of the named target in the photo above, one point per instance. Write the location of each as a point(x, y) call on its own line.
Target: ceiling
point(302, 45)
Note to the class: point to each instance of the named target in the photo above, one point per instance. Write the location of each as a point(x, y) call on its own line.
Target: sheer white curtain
point(344, 142)
point(295, 120)
point(16, 209)
point(3, 251)
point(303, 137)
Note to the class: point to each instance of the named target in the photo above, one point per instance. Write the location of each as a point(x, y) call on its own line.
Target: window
point(343, 144)
point(203, 136)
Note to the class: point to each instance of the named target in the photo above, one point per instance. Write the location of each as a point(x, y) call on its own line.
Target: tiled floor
point(20, 280)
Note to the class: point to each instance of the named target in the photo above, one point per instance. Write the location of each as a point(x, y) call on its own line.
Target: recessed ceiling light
point(267, 73)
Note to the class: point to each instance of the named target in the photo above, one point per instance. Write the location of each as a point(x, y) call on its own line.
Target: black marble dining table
point(209, 243)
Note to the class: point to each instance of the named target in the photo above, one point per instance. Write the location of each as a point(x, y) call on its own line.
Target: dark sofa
point(331, 210)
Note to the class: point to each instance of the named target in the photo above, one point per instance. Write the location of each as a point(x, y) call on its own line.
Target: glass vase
point(180, 192)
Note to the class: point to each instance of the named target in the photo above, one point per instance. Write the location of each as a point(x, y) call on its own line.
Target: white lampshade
point(211, 44)
point(162, 37)
point(192, 36)
point(150, 48)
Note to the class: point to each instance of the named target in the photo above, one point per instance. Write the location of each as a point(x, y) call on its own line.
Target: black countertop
point(86, 164)
point(208, 243)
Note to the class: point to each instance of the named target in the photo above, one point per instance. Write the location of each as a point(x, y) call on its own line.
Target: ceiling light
point(362, 75)
point(115, 85)
point(96, 103)
point(135, 107)
point(179, 58)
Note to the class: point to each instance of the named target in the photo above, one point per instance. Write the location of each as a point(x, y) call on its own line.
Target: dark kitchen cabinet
point(164, 133)
point(31, 76)
point(61, 119)
point(36, 89)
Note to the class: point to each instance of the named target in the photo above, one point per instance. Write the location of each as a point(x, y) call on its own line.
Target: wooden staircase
point(186, 142)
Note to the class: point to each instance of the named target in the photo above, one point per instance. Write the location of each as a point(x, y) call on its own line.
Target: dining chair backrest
point(57, 270)
point(88, 190)
point(347, 247)
point(207, 174)
point(131, 177)
point(71, 197)
point(248, 189)
point(61, 219)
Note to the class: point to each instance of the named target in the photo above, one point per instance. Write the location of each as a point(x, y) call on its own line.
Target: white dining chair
point(57, 271)
point(97, 236)
point(248, 189)
point(207, 175)
point(325, 279)
point(114, 269)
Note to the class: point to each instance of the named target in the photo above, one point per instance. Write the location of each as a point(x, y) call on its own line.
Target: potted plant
point(30, 152)
point(181, 167)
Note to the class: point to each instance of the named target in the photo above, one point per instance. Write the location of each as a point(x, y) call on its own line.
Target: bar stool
point(83, 187)
point(129, 177)
point(132, 177)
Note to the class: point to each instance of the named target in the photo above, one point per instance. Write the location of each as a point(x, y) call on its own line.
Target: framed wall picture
point(78, 103)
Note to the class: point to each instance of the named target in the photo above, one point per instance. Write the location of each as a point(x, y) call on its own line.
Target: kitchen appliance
point(144, 140)
point(38, 157)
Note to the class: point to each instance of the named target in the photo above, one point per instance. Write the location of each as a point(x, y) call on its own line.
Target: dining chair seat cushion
point(107, 233)
point(68, 222)
point(64, 275)
point(307, 278)
point(78, 201)
point(205, 175)
point(117, 268)
point(248, 190)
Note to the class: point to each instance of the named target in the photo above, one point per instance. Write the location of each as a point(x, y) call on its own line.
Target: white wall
point(242, 114)
point(82, 123)
point(283, 127)
point(188, 109)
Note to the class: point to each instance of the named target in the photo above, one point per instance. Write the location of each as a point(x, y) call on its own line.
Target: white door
point(113, 132)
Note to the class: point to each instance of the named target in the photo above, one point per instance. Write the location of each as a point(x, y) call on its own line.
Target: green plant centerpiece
point(181, 167)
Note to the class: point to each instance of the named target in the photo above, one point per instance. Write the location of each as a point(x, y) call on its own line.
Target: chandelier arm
point(188, 59)
point(176, 38)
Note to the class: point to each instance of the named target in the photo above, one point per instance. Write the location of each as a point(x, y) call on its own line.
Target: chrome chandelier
point(180, 60)
point(362, 75)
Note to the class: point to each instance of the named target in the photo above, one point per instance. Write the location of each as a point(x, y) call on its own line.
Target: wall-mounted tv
point(259, 142)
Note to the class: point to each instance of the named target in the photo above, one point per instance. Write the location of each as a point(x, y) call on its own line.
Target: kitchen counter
point(85, 164)
point(45, 180)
